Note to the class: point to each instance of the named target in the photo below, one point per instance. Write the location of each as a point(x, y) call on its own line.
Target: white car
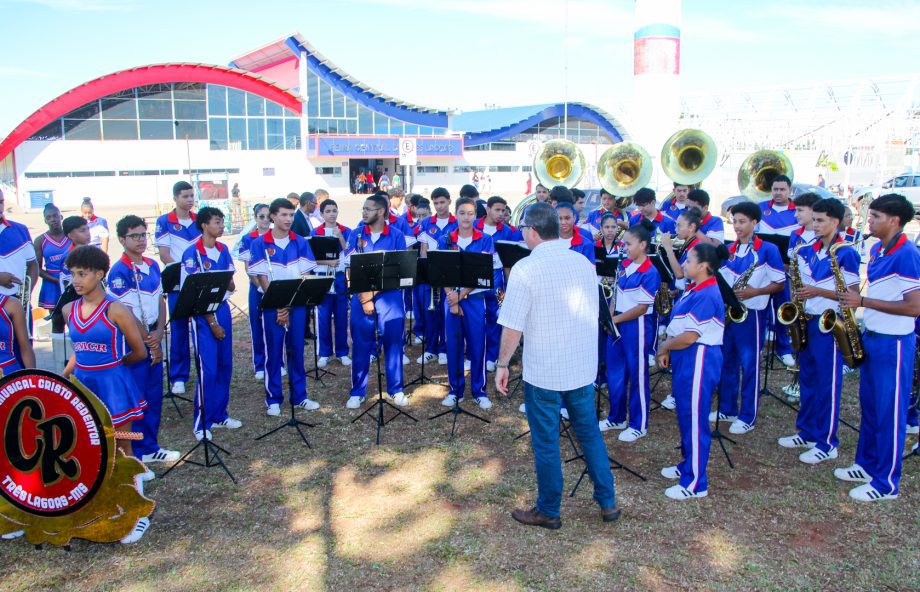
point(906, 184)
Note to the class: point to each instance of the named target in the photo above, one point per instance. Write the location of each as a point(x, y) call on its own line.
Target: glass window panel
point(119, 129)
point(424, 131)
point(396, 128)
point(351, 108)
point(272, 109)
point(217, 99)
point(256, 134)
point(189, 90)
point(351, 126)
point(411, 129)
point(151, 109)
point(157, 130)
point(82, 129)
point(313, 92)
point(190, 110)
point(236, 102)
point(289, 113)
point(196, 130)
point(119, 108)
point(217, 132)
point(321, 126)
point(365, 121)
point(155, 91)
point(255, 105)
point(87, 111)
point(292, 133)
point(325, 100)
point(237, 127)
point(274, 134)
point(52, 131)
point(338, 104)
point(381, 124)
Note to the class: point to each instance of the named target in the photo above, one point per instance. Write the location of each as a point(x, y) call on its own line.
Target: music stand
point(510, 252)
point(201, 294)
point(375, 272)
point(459, 269)
point(421, 277)
point(324, 248)
point(169, 280)
point(294, 293)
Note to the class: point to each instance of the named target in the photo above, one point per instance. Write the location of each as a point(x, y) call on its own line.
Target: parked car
point(907, 184)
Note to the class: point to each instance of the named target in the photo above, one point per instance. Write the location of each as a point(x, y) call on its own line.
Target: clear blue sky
point(456, 53)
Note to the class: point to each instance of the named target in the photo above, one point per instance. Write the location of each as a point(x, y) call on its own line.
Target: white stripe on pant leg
point(698, 367)
point(895, 453)
point(265, 371)
point(199, 388)
point(643, 368)
point(833, 414)
point(756, 364)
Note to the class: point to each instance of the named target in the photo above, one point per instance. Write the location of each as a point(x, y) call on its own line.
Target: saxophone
point(663, 301)
point(792, 313)
point(843, 324)
point(740, 315)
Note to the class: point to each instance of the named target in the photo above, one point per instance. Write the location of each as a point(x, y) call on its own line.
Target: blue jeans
point(543, 417)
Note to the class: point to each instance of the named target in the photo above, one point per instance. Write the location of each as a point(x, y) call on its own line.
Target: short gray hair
point(543, 218)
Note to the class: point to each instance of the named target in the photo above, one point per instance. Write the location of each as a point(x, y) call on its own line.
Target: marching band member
point(541, 193)
point(693, 351)
point(15, 347)
point(263, 224)
point(778, 217)
point(851, 234)
point(578, 203)
point(635, 298)
point(51, 249)
point(430, 233)
point(571, 234)
point(279, 254)
point(465, 312)
point(805, 233)
point(76, 229)
point(609, 230)
point(98, 227)
point(410, 217)
point(106, 340)
point(608, 206)
point(743, 341)
point(419, 302)
point(712, 230)
point(891, 303)
point(677, 204)
point(334, 307)
point(648, 210)
point(820, 361)
point(134, 280)
point(17, 255)
point(175, 232)
point(493, 225)
point(212, 333)
point(376, 235)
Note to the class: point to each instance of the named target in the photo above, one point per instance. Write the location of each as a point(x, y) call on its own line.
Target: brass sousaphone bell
point(559, 162)
point(689, 156)
point(623, 169)
point(755, 177)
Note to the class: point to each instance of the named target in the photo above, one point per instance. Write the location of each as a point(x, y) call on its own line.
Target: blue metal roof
point(492, 125)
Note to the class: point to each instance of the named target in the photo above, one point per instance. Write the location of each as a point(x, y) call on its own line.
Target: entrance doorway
point(377, 166)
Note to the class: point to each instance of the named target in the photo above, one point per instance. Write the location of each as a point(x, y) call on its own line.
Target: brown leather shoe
point(611, 514)
point(532, 517)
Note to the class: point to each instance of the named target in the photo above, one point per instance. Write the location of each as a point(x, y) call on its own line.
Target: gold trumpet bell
point(560, 162)
point(755, 177)
point(624, 168)
point(689, 156)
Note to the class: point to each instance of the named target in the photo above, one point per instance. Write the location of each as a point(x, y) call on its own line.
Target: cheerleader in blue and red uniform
point(106, 339)
point(51, 249)
point(693, 351)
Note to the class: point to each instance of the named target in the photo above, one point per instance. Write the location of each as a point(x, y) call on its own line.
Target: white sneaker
point(260, 375)
point(354, 402)
point(770, 336)
point(676, 492)
point(631, 435)
point(854, 473)
point(913, 429)
point(867, 493)
point(795, 441)
point(739, 427)
point(345, 360)
point(322, 362)
point(564, 413)
point(228, 424)
point(788, 360)
point(651, 360)
point(308, 404)
point(669, 403)
point(373, 358)
point(427, 356)
point(161, 455)
point(442, 359)
point(283, 371)
point(791, 390)
point(490, 366)
point(178, 388)
point(848, 370)
point(467, 365)
point(416, 340)
point(409, 315)
point(273, 410)
point(400, 399)
point(405, 359)
point(12, 535)
point(816, 455)
point(146, 476)
point(449, 401)
point(139, 529)
point(605, 425)
point(523, 408)
point(722, 417)
point(199, 434)
point(484, 402)
point(670, 473)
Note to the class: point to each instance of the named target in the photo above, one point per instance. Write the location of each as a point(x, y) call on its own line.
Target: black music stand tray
point(169, 280)
point(459, 269)
point(294, 293)
point(201, 294)
point(324, 248)
point(421, 277)
point(375, 272)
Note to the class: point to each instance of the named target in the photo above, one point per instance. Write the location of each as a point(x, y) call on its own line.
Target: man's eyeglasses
point(523, 227)
point(371, 209)
point(262, 216)
point(138, 236)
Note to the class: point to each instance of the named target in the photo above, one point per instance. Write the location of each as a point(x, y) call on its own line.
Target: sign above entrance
point(381, 147)
point(408, 153)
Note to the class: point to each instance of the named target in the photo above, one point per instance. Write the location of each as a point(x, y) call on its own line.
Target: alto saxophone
point(740, 315)
point(792, 313)
point(843, 324)
point(663, 301)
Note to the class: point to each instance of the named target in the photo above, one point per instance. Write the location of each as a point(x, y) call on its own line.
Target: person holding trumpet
point(334, 308)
